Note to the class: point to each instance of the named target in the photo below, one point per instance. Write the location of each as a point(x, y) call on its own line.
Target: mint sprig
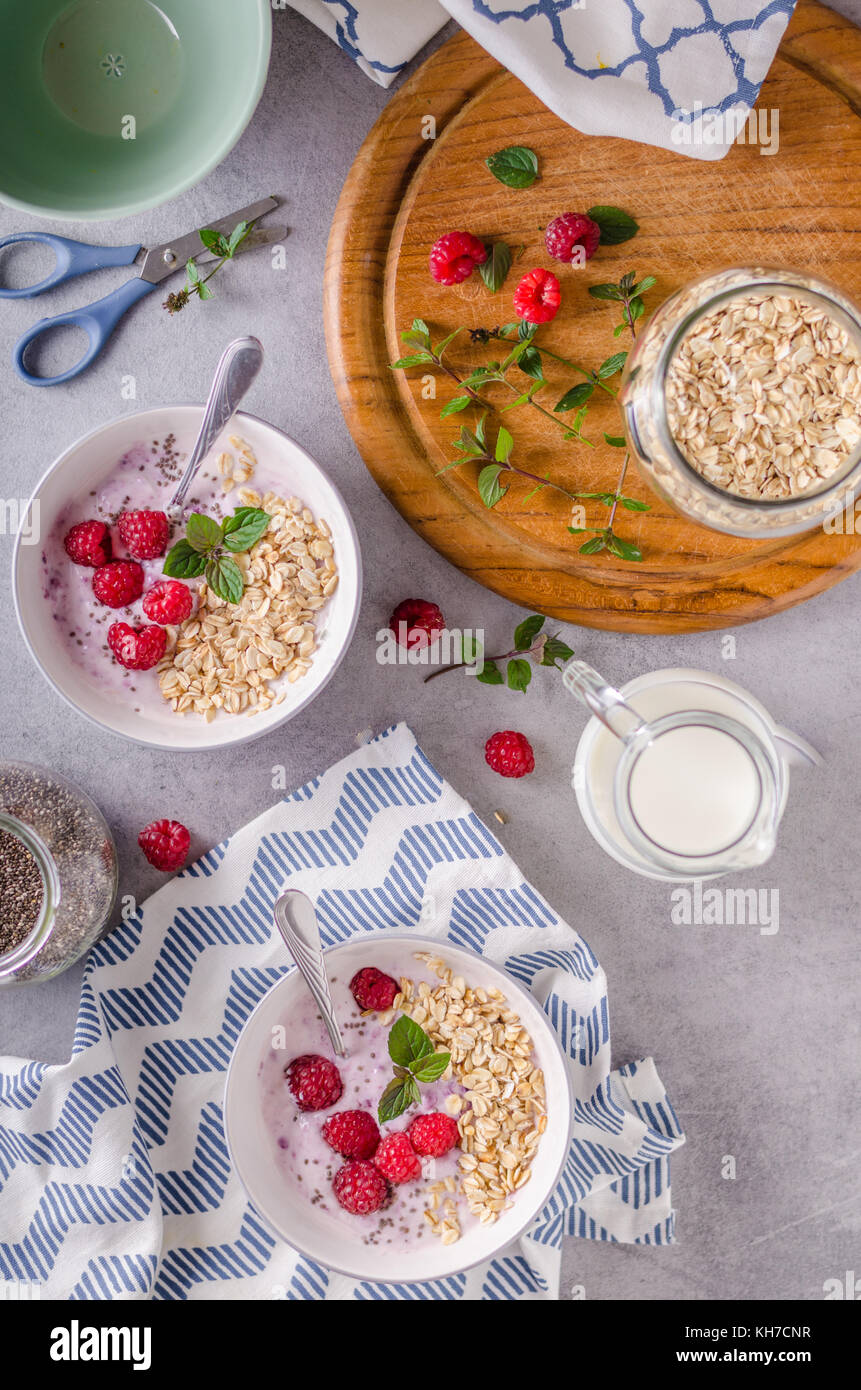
point(202, 550)
point(531, 648)
point(415, 1060)
point(224, 248)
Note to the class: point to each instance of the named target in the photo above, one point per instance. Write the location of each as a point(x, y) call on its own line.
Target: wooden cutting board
point(801, 206)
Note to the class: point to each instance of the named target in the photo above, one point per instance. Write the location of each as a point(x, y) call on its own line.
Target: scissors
point(155, 264)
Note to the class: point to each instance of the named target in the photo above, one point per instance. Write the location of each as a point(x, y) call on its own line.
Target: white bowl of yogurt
point(132, 463)
point(285, 1166)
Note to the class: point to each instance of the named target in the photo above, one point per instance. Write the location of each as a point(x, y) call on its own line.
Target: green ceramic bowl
point(109, 107)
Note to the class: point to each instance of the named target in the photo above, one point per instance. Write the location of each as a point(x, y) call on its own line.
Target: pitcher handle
point(603, 700)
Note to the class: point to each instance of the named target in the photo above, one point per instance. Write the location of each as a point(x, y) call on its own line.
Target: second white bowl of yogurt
point(450, 1217)
point(133, 463)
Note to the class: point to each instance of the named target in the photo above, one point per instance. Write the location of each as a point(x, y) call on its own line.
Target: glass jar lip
point(828, 297)
point(20, 955)
point(766, 761)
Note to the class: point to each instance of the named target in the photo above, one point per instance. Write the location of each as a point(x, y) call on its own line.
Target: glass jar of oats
point(58, 874)
point(742, 401)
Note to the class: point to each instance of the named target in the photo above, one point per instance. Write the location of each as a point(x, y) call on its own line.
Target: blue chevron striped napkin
point(683, 74)
point(114, 1175)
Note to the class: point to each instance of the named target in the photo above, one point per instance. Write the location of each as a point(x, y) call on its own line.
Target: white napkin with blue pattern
point(607, 67)
point(115, 1180)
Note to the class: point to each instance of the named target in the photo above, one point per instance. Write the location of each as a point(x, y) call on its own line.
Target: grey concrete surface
point(755, 1036)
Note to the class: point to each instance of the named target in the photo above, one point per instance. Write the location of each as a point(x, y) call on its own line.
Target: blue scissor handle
point(73, 258)
point(98, 321)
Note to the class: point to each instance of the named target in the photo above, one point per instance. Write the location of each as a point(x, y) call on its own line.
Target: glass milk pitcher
point(689, 779)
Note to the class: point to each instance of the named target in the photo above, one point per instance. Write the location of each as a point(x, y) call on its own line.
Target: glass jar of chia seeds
point(58, 874)
point(742, 402)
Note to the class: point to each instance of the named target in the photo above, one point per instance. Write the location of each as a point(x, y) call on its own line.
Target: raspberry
point(397, 1158)
point(168, 601)
point(454, 257)
point(119, 583)
point(315, 1082)
point(137, 648)
point(353, 1133)
point(568, 231)
point(509, 753)
point(371, 989)
point(89, 543)
point(165, 844)
point(416, 623)
point(144, 534)
point(537, 297)
point(434, 1134)
point(361, 1188)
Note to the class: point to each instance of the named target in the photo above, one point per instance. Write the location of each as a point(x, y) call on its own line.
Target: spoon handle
point(296, 920)
point(239, 364)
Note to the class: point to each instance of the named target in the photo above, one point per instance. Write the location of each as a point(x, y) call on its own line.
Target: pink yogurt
point(302, 1154)
point(143, 479)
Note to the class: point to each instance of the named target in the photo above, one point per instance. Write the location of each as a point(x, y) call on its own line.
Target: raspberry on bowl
point(509, 753)
point(165, 844)
point(89, 543)
point(572, 236)
point(397, 1159)
point(118, 583)
point(315, 1082)
point(454, 257)
point(352, 1133)
point(360, 1188)
point(137, 648)
point(168, 602)
point(433, 1135)
point(371, 989)
point(537, 297)
point(144, 534)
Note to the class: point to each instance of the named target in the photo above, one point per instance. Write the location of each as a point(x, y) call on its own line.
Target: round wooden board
point(801, 206)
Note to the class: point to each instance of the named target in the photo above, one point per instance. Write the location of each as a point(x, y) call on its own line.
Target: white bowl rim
point(253, 734)
point(111, 212)
point(439, 948)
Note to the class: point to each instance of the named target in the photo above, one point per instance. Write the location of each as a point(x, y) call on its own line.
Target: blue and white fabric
point(682, 74)
point(115, 1180)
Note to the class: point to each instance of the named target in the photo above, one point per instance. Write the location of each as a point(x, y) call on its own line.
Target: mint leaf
point(252, 524)
point(183, 561)
point(415, 359)
point(496, 267)
point(519, 674)
point(239, 233)
point(617, 441)
point(408, 1043)
point(615, 224)
point(192, 272)
point(622, 549)
point(204, 291)
point(452, 407)
point(574, 398)
point(529, 362)
point(526, 632)
point(592, 547)
point(419, 326)
point(606, 292)
point(202, 533)
point(489, 488)
point(490, 674)
point(632, 505)
point(516, 166)
point(612, 365)
point(224, 578)
point(555, 650)
point(504, 445)
point(431, 1068)
point(398, 1096)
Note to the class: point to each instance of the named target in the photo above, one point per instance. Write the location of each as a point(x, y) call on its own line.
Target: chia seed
point(81, 861)
point(21, 892)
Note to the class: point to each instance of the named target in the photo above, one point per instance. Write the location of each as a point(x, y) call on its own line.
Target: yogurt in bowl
point(133, 464)
point(463, 1206)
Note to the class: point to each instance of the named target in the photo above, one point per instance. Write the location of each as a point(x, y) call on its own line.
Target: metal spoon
point(240, 362)
point(296, 920)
